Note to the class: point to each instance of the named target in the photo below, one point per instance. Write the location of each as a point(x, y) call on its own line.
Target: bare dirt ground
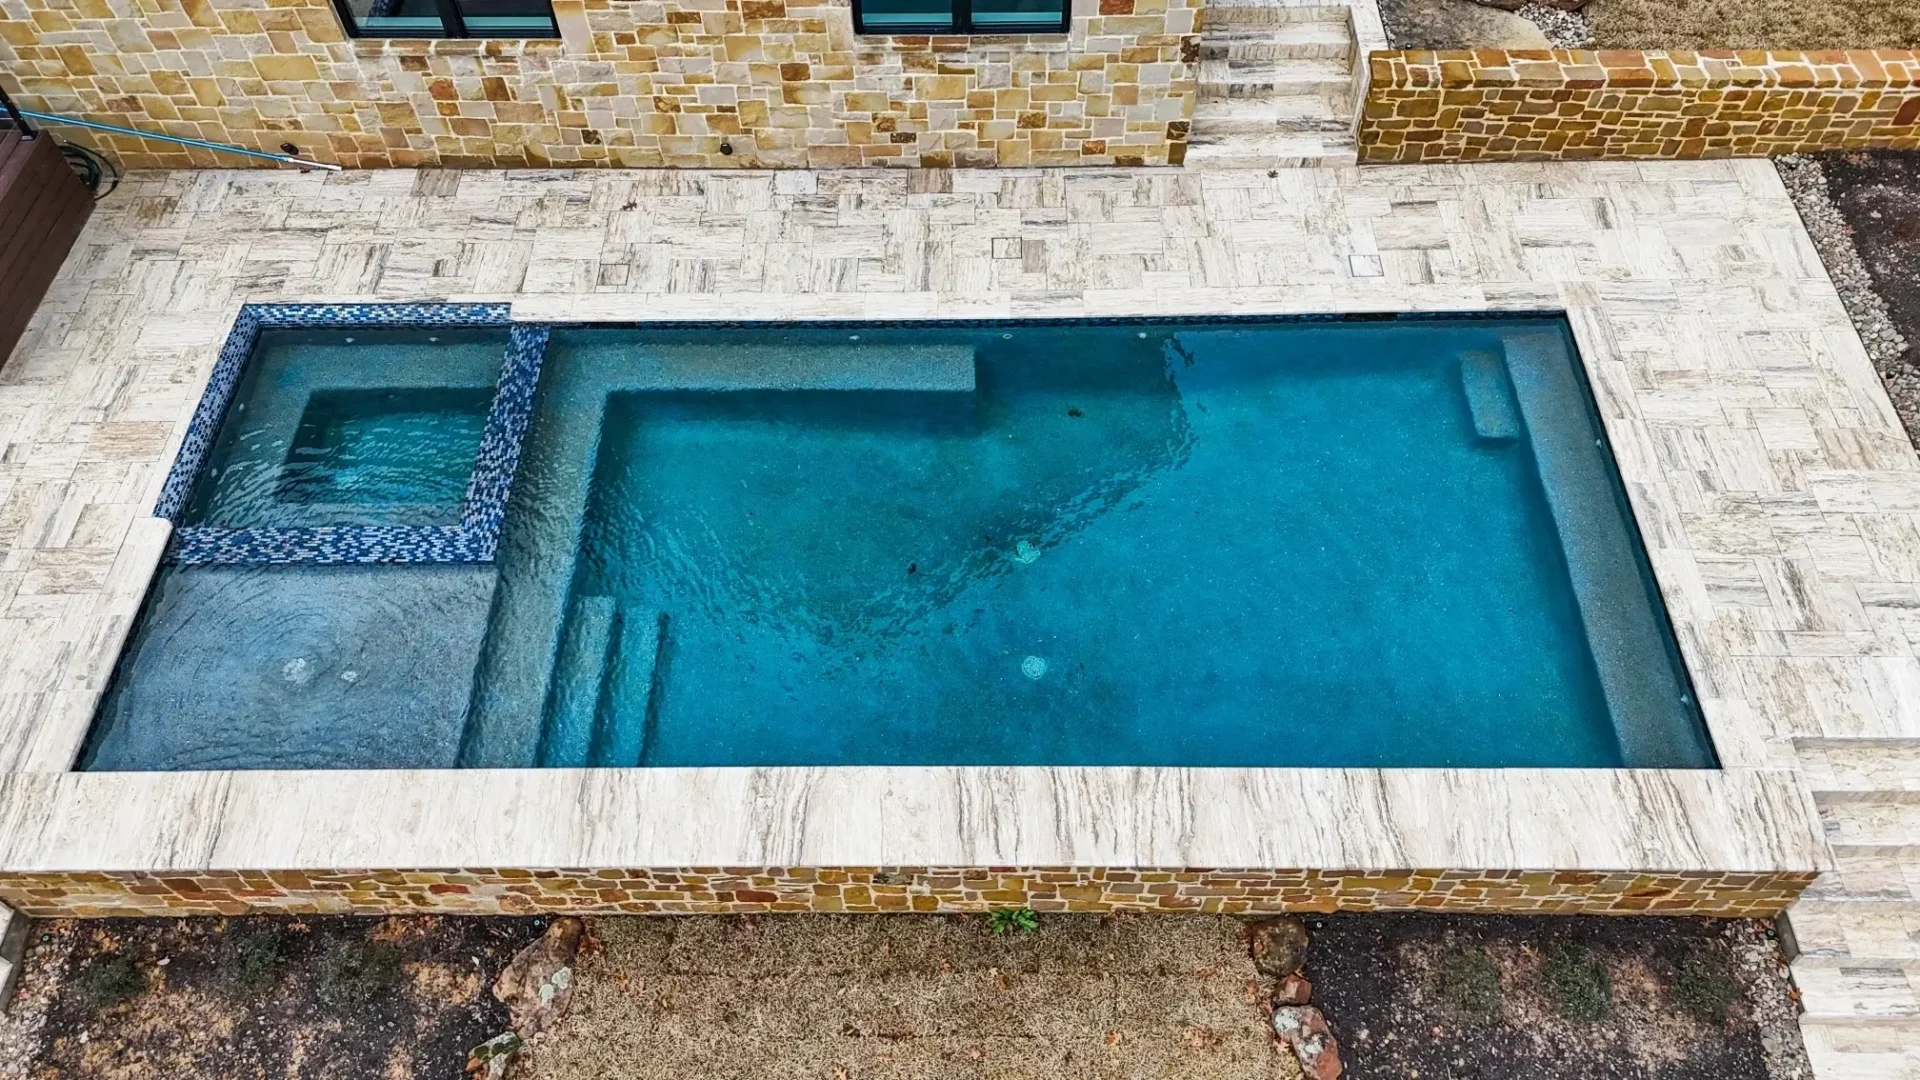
point(1754, 24)
point(1879, 196)
point(259, 998)
point(1862, 211)
point(899, 996)
point(1567, 998)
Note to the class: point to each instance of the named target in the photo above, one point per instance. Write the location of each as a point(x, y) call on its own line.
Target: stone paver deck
point(1777, 494)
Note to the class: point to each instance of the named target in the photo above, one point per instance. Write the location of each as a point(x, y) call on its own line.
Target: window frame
point(962, 23)
point(453, 25)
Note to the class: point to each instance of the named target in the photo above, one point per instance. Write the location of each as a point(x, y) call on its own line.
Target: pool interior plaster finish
point(358, 667)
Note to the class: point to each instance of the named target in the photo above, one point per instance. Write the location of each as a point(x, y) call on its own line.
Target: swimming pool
point(1394, 542)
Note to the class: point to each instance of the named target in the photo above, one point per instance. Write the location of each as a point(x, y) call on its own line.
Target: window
point(960, 16)
point(447, 18)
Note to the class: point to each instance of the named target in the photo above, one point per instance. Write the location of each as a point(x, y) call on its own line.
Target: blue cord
point(49, 118)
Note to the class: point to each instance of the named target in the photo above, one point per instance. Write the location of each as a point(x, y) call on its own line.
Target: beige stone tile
point(1762, 460)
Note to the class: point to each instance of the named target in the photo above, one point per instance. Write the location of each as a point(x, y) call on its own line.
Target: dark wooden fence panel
point(42, 207)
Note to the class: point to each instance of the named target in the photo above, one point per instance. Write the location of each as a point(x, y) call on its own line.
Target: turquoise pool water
point(1392, 543)
point(358, 427)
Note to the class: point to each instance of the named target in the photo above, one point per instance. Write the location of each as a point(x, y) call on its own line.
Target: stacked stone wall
point(716, 890)
point(1576, 105)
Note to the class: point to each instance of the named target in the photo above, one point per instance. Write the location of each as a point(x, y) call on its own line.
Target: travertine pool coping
point(1738, 820)
point(1768, 472)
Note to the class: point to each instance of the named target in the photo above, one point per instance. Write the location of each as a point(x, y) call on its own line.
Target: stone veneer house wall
point(626, 84)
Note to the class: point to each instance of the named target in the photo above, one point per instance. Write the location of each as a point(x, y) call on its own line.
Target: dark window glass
point(447, 18)
point(394, 18)
point(506, 18)
point(904, 16)
point(991, 15)
point(960, 16)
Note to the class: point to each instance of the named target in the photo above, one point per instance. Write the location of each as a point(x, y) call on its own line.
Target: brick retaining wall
point(630, 83)
point(897, 889)
point(1494, 105)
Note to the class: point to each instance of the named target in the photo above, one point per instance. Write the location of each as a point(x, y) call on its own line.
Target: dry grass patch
point(1755, 24)
point(900, 996)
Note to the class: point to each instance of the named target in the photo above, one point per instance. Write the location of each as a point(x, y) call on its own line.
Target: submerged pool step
point(579, 682)
point(603, 648)
point(1489, 396)
point(852, 366)
point(621, 740)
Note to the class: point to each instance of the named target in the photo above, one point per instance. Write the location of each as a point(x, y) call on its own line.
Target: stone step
point(1865, 874)
point(1860, 764)
point(1284, 150)
point(1228, 13)
point(1831, 932)
point(1213, 121)
point(1858, 990)
point(1288, 41)
point(1483, 378)
point(13, 950)
point(1851, 1050)
point(1888, 821)
point(1325, 81)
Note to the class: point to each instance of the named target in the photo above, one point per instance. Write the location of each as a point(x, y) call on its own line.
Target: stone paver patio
point(1775, 489)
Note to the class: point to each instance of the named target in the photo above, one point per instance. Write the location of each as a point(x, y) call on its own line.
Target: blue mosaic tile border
point(483, 510)
point(324, 544)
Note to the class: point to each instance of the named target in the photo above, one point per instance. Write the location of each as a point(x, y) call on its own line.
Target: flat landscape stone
point(1458, 24)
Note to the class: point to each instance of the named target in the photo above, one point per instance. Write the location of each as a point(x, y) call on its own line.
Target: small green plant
point(109, 980)
point(1579, 982)
point(504, 1045)
point(1704, 987)
point(1007, 920)
point(354, 972)
point(1469, 983)
point(250, 964)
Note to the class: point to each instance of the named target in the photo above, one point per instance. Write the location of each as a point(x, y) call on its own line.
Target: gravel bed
point(1565, 29)
point(23, 1024)
point(1806, 183)
point(1771, 1003)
